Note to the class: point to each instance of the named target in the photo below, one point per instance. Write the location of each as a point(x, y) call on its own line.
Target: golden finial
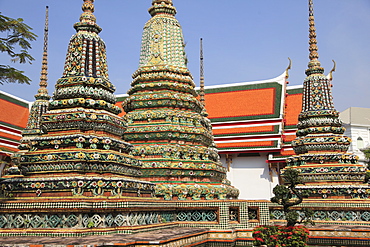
point(201, 90)
point(42, 93)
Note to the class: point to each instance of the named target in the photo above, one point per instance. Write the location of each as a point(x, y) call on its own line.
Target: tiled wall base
point(211, 222)
point(339, 236)
point(98, 217)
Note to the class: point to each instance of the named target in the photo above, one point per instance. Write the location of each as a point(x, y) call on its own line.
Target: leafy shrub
point(278, 236)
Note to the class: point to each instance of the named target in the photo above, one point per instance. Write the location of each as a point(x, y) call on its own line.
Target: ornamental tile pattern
point(73, 216)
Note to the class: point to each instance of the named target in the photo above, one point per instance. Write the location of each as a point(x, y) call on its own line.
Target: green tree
point(15, 41)
point(287, 195)
point(367, 156)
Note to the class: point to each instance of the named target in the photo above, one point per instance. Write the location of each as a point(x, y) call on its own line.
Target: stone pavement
point(152, 238)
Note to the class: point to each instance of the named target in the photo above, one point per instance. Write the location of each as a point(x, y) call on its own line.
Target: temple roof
point(252, 117)
point(358, 116)
point(13, 119)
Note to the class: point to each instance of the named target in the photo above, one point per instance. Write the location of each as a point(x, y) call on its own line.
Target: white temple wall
point(357, 123)
point(360, 139)
point(251, 176)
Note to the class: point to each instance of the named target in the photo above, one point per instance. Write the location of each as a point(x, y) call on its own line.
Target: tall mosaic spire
point(201, 75)
point(81, 151)
point(42, 97)
point(321, 148)
point(170, 135)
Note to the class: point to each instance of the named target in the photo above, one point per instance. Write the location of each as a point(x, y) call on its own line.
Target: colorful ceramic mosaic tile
point(73, 145)
point(326, 168)
point(167, 124)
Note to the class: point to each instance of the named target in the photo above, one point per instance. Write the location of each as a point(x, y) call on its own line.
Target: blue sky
point(244, 40)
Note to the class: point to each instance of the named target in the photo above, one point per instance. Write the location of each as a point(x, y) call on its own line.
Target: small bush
point(278, 236)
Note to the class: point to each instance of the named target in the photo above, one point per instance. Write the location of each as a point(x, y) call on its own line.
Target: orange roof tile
point(245, 144)
point(231, 131)
point(119, 104)
point(13, 113)
point(289, 138)
point(241, 103)
point(288, 152)
point(10, 136)
point(8, 149)
point(294, 107)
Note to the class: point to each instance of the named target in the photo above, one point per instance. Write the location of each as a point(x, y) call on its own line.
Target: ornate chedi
point(42, 97)
point(321, 148)
point(81, 151)
point(167, 124)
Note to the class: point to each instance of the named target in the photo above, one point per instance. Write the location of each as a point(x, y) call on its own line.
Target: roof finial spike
point(201, 91)
point(314, 65)
point(42, 93)
point(330, 76)
point(288, 68)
